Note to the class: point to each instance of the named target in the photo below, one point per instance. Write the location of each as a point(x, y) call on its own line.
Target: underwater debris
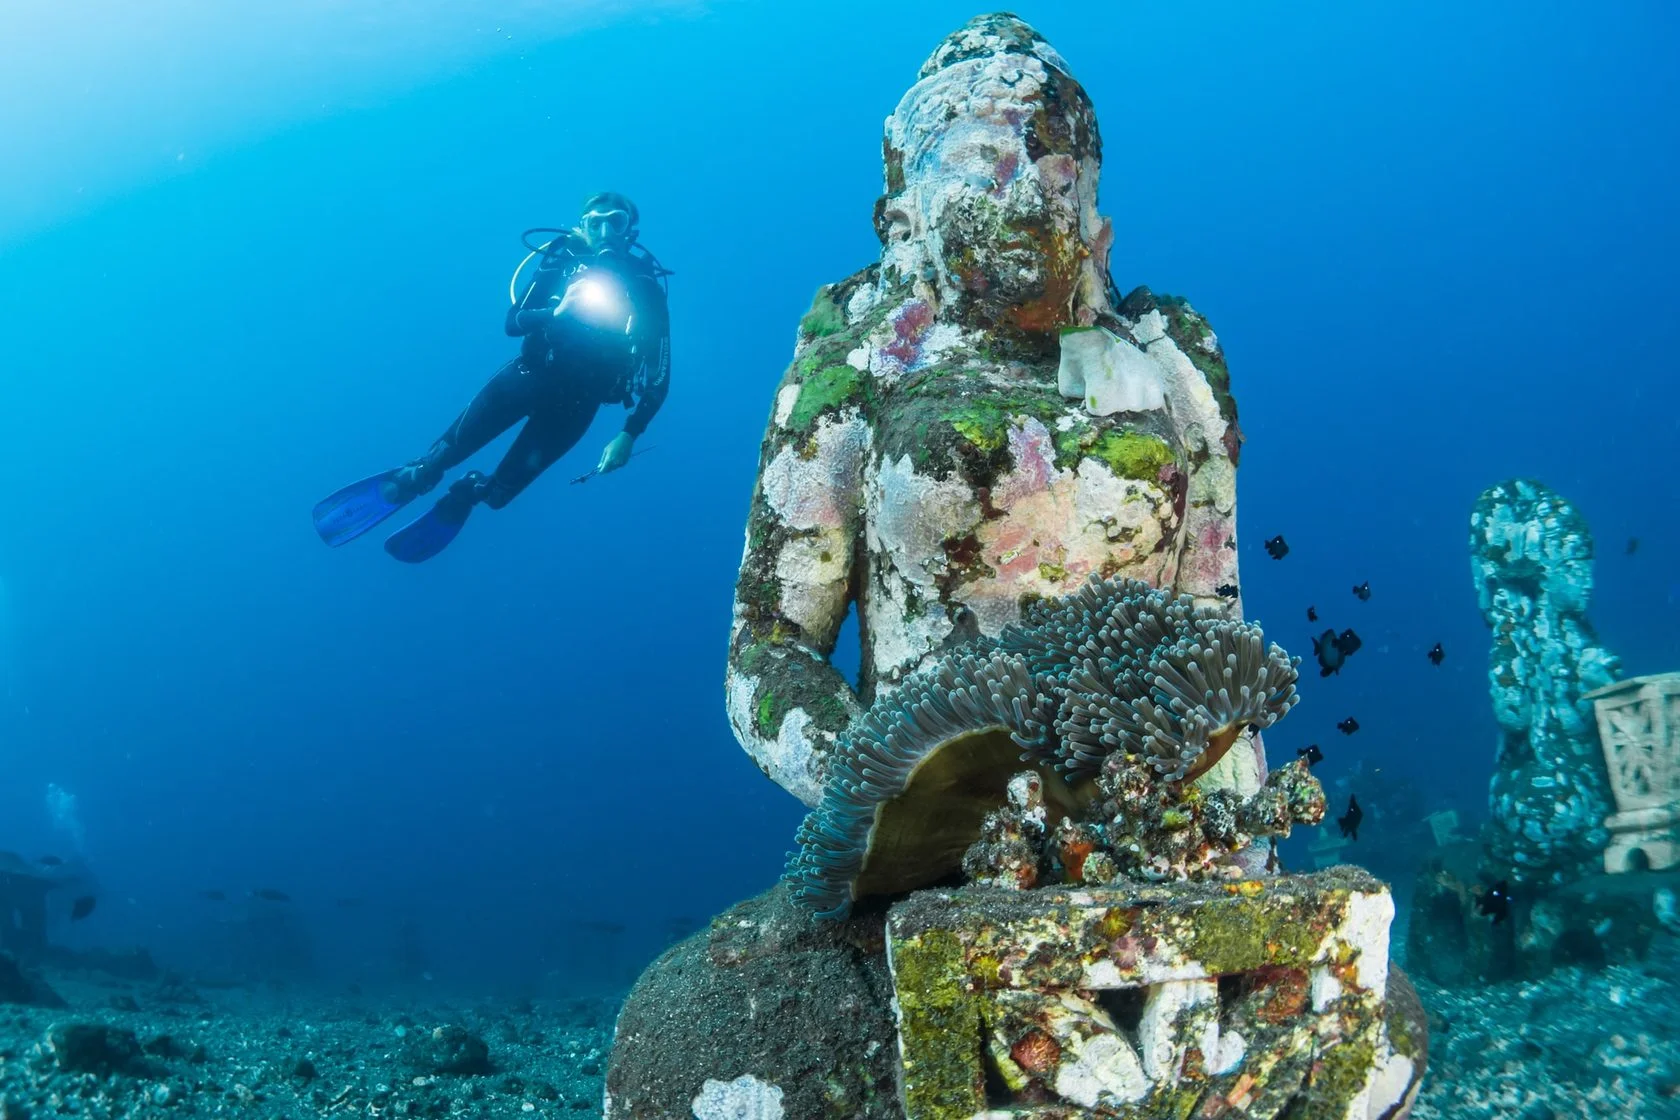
point(82, 907)
point(1119, 696)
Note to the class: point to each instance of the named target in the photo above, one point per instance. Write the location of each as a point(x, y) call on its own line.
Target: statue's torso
point(984, 489)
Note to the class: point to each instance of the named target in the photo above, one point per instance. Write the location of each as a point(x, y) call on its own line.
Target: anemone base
point(1267, 997)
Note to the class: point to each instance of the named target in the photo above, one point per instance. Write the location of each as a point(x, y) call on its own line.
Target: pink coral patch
point(1018, 539)
point(1004, 173)
point(1035, 464)
point(910, 325)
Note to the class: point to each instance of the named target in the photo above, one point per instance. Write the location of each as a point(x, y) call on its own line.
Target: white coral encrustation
point(745, 1098)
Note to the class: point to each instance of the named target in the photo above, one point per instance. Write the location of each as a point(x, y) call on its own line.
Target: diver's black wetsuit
point(568, 366)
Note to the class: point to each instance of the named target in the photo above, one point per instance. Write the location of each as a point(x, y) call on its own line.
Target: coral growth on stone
point(1141, 686)
point(1531, 557)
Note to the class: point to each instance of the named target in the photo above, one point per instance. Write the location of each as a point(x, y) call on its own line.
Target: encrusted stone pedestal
point(1257, 998)
point(1639, 727)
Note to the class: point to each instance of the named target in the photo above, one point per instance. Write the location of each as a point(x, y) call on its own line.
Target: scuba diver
point(596, 329)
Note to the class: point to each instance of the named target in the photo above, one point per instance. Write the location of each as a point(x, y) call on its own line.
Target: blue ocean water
point(243, 265)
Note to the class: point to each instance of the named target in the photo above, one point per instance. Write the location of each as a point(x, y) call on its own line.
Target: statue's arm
point(1208, 550)
point(786, 701)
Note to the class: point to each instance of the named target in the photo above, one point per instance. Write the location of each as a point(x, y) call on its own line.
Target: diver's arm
point(657, 361)
point(529, 321)
point(786, 700)
point(535, 310)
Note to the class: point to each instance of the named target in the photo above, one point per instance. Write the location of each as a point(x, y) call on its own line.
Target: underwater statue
point(1531, 557)
point(1028, 885)
point(978, 420)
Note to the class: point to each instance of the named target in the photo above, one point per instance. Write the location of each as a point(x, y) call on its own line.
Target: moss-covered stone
point(786, 679)
point(1004, 957)
point(939, 1024)
point(826, 316)
point(1134, 454)
point(1338, 1074)
point(826, 389)
point(1273, 926)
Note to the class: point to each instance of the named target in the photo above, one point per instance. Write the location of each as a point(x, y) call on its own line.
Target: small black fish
point(1277, 548)
point(1227, 591)
point(82, 907)
point(1333, 649)
point(1329, 654)
point(213, 896)
point(1312, 614)
point(1437, 655)
point(1348, 726)
point(50, 861)
point(269, 894)
point(1363, 591)
point(1495, 902)
point(1633, 545)
point(1348, 822)
point(1311, 755)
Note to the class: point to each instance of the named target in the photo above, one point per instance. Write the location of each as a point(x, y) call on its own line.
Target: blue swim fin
point(343, 516)
point(431, 532)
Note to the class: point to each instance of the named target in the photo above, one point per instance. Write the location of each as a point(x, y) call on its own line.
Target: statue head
point(990, 208)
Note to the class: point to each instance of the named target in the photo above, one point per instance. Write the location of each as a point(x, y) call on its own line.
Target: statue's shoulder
point(1150, 317)
point(822, 377)
point(840, 305)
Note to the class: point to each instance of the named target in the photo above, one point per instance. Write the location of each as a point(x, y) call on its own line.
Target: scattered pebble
point(268, 1054)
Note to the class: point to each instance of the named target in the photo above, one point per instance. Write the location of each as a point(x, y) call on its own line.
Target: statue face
point(991, 174)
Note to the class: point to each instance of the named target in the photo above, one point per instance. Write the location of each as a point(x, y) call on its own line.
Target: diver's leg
point(554, 429)
point(505, 400)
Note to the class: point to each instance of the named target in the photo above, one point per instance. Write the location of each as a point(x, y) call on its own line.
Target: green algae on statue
point(924, 462)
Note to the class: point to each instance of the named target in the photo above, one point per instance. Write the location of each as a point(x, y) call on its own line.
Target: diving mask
point(598, 225)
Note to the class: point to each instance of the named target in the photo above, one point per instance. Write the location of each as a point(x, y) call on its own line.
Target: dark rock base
point(767, 992)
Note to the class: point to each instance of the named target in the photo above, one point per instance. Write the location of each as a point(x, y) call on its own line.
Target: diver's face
point(602, 228)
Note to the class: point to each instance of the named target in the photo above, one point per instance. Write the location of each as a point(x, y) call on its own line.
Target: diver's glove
point(616, 454)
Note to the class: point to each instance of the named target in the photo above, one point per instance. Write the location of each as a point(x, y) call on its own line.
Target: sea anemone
point(1116, 668)
point(1141, 671)
point(915, 776)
